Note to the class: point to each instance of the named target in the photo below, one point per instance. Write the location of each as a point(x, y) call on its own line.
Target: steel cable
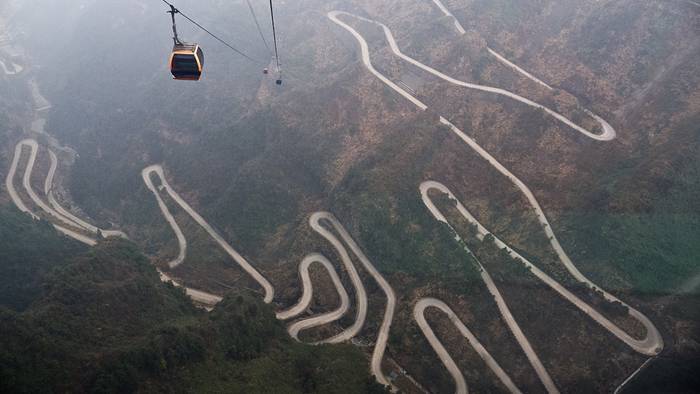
point(255, 18)
point(254, 60)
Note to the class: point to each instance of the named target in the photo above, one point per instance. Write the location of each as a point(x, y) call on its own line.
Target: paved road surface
point(316, 221)
point(10, 179)
point(17, 200)
point(16, 68)
point(608, 131)
point(517, 68)
point(498, 56)
point(202, 297)
point(181, 240)
point(242, 262)
point(461, 384)
point(447, 12)
point(383, 335)
point(508, 317)
point(652, 343)
point(307, 296)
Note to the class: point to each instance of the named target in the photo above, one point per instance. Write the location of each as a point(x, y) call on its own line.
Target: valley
point(356, 198)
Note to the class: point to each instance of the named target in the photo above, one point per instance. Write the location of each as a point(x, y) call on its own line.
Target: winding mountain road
point(316, 224)
point(498, 56)
point(316, 221)
point(326, 225)
point(70, 224)
point(383, 335)
point(307, 296)
point(66, 217)
point(500, 301)
point(608, 133)
point(443, 354)
point(360, 292)
point(26, 182)
point(652, 343)
point(242, 262)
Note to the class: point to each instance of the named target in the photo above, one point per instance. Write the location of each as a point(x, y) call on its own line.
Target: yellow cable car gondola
point(187, 62)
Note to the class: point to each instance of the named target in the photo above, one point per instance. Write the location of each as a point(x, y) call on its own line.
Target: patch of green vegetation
point(656, 249)
point(30, 250)
point(668, 375)
point(393, 226)
point(507, 12)
point(499, 263)
point(103, 322)
point(402, 236)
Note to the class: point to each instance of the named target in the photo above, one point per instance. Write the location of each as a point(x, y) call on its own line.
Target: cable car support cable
point(274, 36)
point(257, 24)
point(174, 11)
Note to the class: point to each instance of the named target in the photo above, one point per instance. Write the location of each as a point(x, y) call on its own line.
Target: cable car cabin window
point(186, 63)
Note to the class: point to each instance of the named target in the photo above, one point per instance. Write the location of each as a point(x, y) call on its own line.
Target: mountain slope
point(102, 321)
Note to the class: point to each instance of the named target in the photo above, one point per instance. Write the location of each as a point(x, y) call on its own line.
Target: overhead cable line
point(257, 61)
point(255, 18)
point(274, 36)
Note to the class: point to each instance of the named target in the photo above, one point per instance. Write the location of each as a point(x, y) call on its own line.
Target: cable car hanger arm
point(172, 13)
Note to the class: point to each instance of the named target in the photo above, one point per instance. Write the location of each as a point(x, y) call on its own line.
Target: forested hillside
point(31, 250)
point(74, 320)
